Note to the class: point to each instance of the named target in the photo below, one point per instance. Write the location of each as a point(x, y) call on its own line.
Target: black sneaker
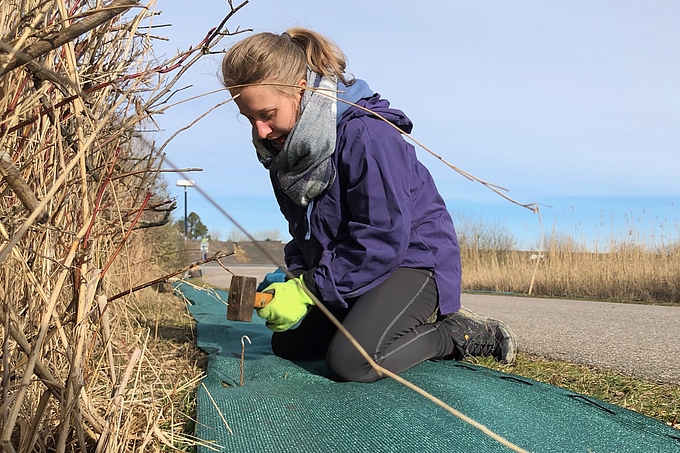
point(475, 335)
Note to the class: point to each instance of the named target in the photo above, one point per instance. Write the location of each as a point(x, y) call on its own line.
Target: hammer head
point(241, 299)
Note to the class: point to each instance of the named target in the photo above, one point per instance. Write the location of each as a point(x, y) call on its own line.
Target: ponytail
point(282, 58)
point(323, 55)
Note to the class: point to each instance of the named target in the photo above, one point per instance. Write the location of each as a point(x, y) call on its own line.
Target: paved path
point(640, 340)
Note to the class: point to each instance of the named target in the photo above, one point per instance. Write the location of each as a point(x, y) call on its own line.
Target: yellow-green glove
point(288, 306)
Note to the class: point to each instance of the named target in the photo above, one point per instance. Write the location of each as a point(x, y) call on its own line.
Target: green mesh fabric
point(293, 407)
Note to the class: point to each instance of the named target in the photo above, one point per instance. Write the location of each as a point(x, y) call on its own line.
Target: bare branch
point(216, 257)
point(11, 175)
point(162, 170)
point(93, 20)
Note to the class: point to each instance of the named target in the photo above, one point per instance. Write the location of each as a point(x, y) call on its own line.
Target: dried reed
point(78, 82)
point(632, 269)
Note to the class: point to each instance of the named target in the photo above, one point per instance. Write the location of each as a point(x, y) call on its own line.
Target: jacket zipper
point(308, 218)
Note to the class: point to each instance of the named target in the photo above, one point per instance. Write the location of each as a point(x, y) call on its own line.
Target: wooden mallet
point(243, 298)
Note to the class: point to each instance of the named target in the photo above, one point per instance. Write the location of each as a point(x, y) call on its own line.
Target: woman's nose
point(263, 129)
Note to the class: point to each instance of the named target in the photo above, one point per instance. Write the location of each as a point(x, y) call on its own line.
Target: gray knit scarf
point(304, 166)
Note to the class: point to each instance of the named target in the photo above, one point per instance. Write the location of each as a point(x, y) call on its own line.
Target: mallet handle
point(262, 299)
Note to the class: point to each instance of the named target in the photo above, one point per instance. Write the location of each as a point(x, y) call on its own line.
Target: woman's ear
point(302, 83)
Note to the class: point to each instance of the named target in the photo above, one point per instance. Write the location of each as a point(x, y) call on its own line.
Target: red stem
point(20, 90)
point(100, 195)
point(127, 235)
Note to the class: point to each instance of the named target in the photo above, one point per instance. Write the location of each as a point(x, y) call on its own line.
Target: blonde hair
point(282, 58)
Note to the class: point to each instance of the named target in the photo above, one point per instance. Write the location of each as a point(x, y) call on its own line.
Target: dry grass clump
point(78, 216)
point(624, 270)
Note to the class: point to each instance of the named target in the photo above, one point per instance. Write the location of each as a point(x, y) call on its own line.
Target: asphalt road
point(639, 340)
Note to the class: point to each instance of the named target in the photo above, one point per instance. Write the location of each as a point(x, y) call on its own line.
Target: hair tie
point(285, 34)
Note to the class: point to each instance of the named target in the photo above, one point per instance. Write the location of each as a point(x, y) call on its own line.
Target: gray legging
point(388, 322)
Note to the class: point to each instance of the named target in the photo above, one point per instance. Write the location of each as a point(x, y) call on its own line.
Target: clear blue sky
point(574, 105)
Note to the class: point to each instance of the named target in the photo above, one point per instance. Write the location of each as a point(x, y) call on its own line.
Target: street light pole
point(185, 183)
point(185, 212)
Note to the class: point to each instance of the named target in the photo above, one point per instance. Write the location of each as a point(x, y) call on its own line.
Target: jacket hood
point(381, 107)
point(352, 93)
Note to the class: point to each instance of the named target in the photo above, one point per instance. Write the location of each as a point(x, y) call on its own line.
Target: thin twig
point(11, 175)
point(218, 256)
point(218, 30)
point(533, 207)
point(224, 420)
point(127, 235)
point(160, 170)
point(179, 131)
point(225, 267)
point(116, 401)
point(539, 254)
point(106, 335)
point(40, 71)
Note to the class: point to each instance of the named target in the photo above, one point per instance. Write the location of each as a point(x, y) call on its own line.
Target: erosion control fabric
point(293, 407)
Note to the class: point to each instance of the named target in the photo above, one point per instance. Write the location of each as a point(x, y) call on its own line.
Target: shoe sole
point(509, 343)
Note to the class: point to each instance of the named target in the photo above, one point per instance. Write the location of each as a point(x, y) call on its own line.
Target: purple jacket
point(382, 212)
